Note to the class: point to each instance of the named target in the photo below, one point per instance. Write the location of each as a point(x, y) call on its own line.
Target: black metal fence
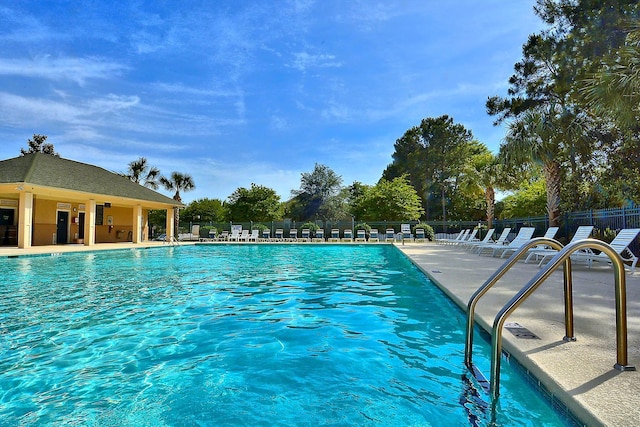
point(606, 223)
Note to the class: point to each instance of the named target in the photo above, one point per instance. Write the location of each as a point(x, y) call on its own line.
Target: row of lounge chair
point(503, 247)
point(241, 235)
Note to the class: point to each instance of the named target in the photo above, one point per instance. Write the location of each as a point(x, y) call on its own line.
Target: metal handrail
point(564, 256)
point(473, 301)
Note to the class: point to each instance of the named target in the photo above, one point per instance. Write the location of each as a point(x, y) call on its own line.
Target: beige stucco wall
point(117, 223)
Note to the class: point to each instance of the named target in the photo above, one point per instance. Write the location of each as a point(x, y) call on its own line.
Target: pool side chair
point(335, 235)
point(234, 236)
point(583, 232)
point(319, 236)
point(347, 235)
point(266, 235)
point(459, 237)
point(470, 246)
point(305, 235)
point(620, 244)
point(373, 235)
point(244, 236)
point(390, 235)
point(293, 235)
point(279, 235)
point(361, 236)
point(525, 234)
point(253, 237)
point(419, 235)
point(549, 234)
point(471, 237)
point(223, 236)
point(502, 239)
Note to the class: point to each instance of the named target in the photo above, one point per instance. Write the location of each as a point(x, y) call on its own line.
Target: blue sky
point(235, 92)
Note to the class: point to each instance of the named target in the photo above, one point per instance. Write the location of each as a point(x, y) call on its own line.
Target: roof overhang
point(53, 193)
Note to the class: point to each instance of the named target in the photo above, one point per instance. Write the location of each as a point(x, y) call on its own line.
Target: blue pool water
point(254, 335)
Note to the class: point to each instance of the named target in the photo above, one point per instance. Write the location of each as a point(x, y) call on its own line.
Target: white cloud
point(303, 60)
point(65, 68)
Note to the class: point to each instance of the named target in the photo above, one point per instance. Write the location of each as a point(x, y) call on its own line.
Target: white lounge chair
point(347, 235)
point(583, 232)
point(454, 240)
point(361, 236)
point(620, 244)
point(524, 236)
point(470, 237)
point(373, 235)
point(266, 235)
point(319, 235)
point(549, 234)
point(244, 236)
point(279, 235)
point(390, 235)
point(335, 235)
point(502, 239)
point(253, 237)
point(306, 235)
point(234, 236)
point(293, 235)
point(486, 241)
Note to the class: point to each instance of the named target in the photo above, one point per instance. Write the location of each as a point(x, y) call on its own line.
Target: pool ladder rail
point(171, 241)
point(563, 257)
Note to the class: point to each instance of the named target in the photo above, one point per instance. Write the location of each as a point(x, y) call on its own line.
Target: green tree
point(38, 144)
point(141, 173)
point(613, 90)
point(257, 203)
point(580, 34)
point(394, 200)
point(206, 210)
point(532, 138)
point(177, 182)
point(482, 174)
point(529, 200)
point(318, 196)
point(432, 156)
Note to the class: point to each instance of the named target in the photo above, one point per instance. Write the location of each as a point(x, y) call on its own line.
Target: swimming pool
point(241, 335)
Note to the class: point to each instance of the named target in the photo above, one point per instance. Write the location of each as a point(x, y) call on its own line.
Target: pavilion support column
point(137, 224)
point(170, 220)
point(25, 219)
point(90, 223)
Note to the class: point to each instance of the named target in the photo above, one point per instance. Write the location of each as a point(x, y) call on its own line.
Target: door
point(62, 231)
point(81, 225)
point(7, 230)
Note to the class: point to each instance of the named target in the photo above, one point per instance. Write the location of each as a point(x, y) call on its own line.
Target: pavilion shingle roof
point(52, 171)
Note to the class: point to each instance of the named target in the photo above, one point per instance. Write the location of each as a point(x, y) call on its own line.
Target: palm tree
point(177, 182)
point(141, 173)
point(614, 91)
point(481, 175)
point(533, 138)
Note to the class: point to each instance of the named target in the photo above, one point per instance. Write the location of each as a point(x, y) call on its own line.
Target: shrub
point(312, 226)
point(260, 227)
point(428, 230)
point(363, 226)
point(204, 230)
point(606, 235)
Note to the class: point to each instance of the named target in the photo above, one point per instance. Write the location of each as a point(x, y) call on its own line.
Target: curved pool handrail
point(564, 256)
point(473, 301)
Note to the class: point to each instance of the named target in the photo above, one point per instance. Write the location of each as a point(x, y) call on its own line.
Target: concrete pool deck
point(580, 374)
